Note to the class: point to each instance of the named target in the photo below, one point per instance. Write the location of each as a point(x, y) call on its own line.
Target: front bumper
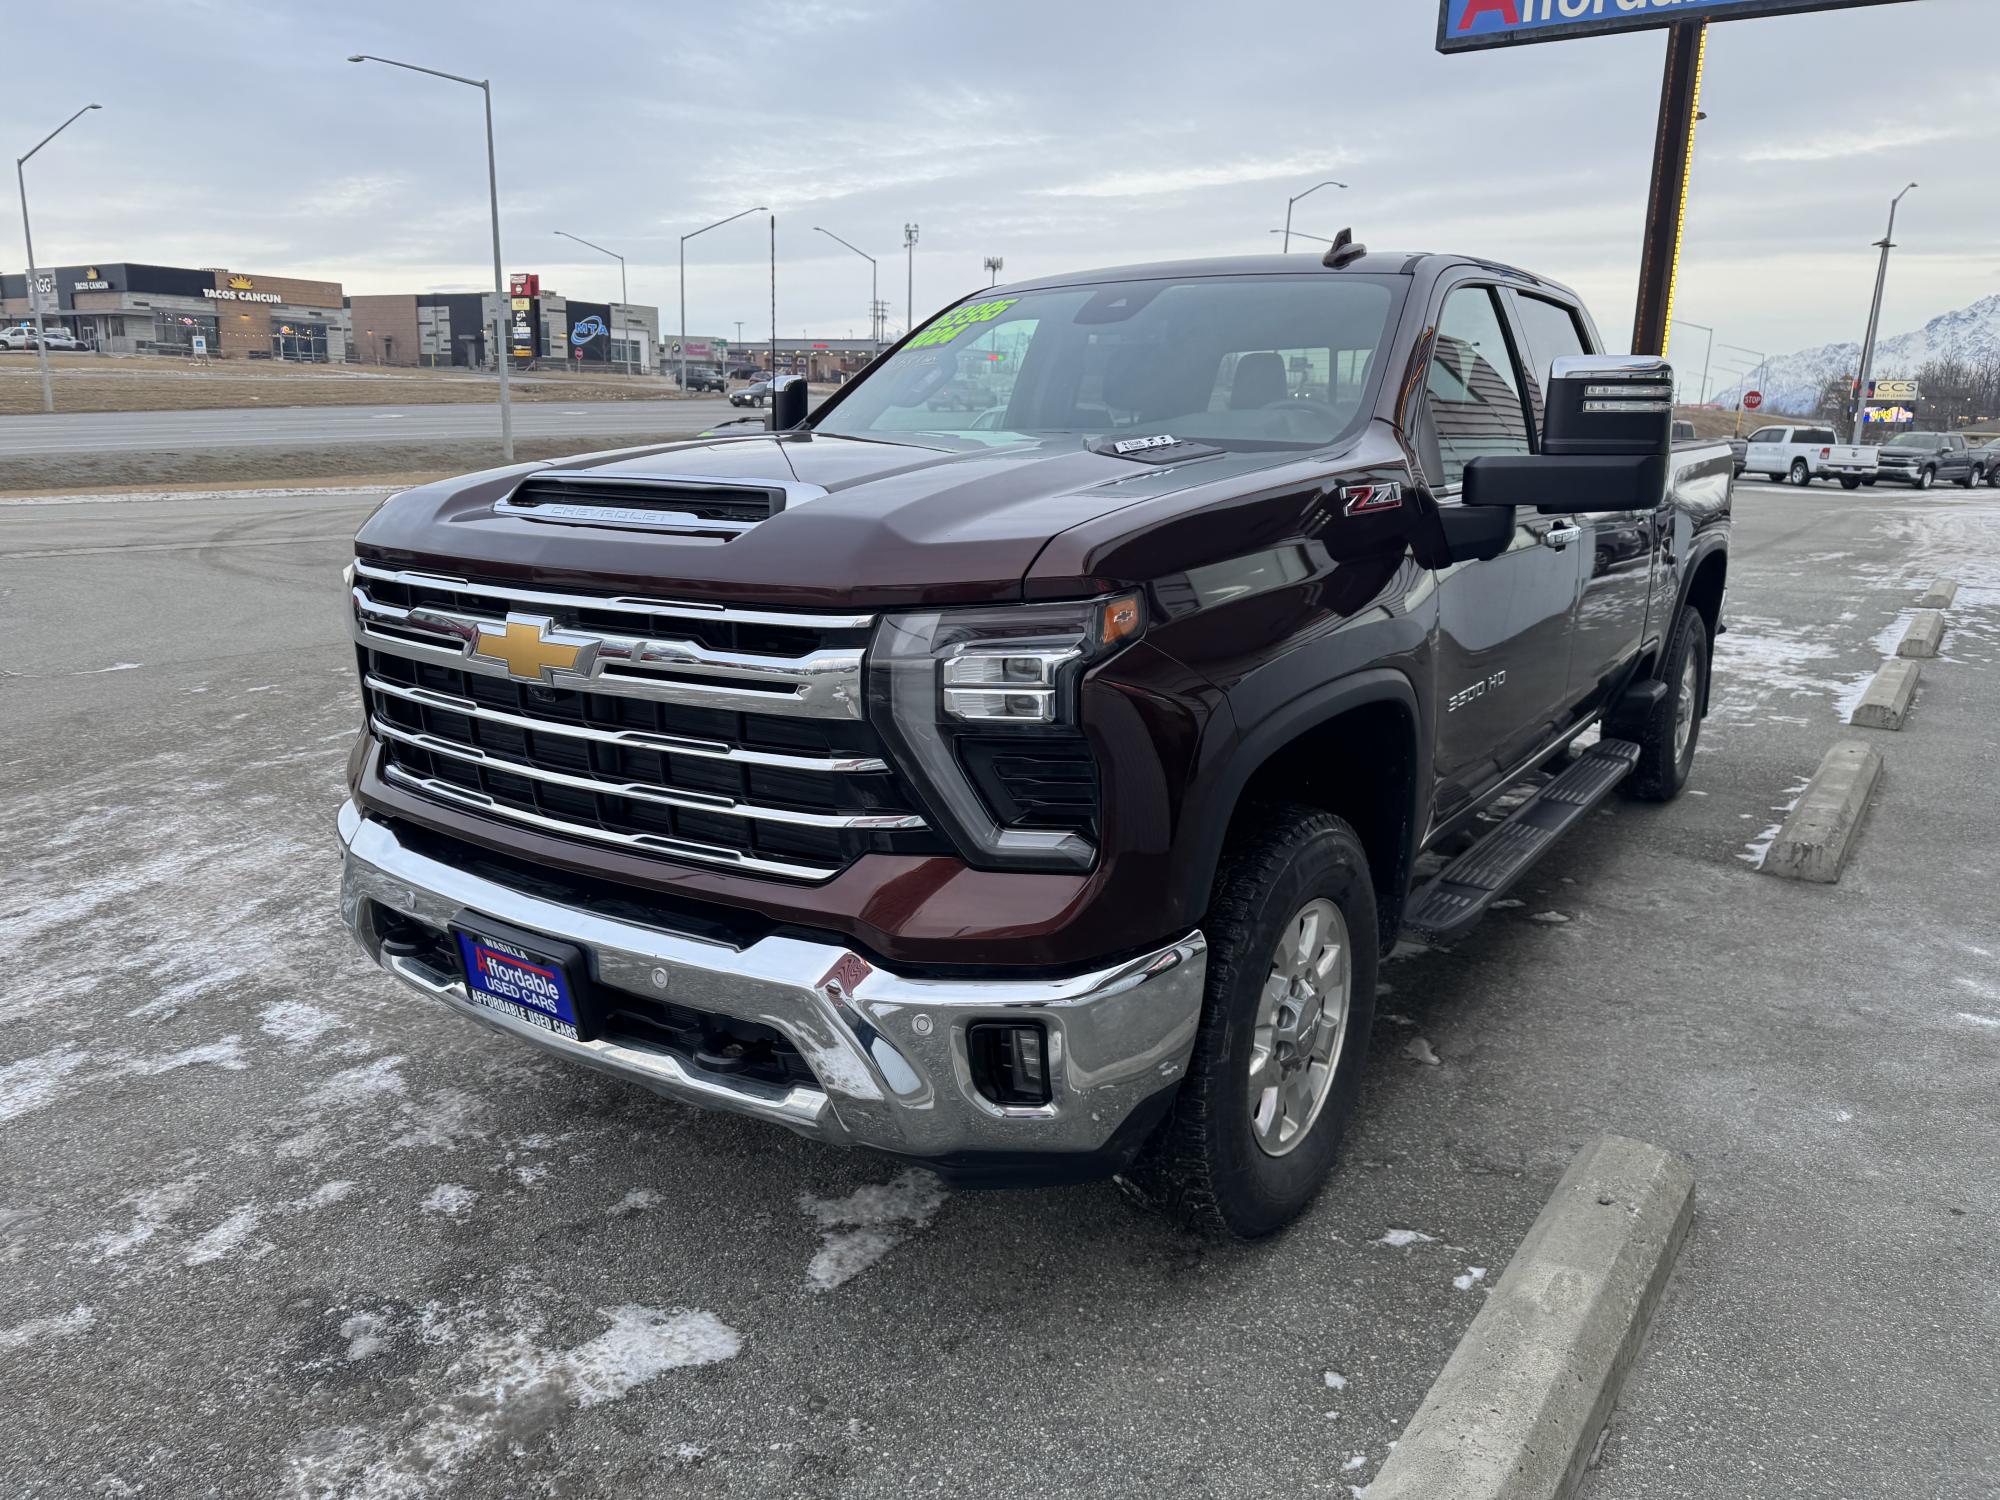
point(888, 1051)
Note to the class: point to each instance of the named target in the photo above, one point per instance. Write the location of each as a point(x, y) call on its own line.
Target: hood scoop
point(689, 506)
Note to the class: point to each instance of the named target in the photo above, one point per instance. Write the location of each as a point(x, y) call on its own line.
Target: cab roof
point(1375, 262)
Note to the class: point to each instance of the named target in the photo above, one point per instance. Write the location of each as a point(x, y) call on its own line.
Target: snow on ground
point(1396, 1239)
point(859, 1230)
point(450, 1199)
point(40, 1330)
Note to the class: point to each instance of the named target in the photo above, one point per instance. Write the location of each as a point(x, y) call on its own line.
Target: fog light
point(1010, 1061)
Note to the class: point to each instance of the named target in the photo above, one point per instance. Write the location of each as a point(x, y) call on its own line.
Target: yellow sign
point(242, 283)
point(527, 647)
point(522, 304)
point(1892, 390)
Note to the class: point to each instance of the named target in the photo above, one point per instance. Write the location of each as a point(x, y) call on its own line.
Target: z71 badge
point(1363, 499)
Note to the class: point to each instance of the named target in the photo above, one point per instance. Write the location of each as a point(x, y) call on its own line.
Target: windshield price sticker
point(955, 322)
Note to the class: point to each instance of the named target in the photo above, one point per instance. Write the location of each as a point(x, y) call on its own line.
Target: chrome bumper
point(889, 1052)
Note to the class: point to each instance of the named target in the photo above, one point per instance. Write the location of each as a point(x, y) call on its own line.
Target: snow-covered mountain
point(1795, 380)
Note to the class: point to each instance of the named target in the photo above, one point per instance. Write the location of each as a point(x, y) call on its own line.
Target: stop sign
point(1752, 400)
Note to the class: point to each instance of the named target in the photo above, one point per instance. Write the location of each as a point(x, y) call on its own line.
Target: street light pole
point(759, 209)
point(27, 234)
point(874, 287)
point(500, 355)
point(623, 294)
point(1887, 242)
point(1295, 198)
point(910, 284)
point(1708, 349)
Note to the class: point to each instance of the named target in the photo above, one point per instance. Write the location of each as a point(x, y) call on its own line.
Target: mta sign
point(1466, 24)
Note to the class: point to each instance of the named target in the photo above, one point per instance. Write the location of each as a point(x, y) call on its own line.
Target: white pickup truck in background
point(1802, 454)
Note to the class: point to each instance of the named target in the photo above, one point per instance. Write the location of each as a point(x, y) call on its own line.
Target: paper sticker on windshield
point(955, 322)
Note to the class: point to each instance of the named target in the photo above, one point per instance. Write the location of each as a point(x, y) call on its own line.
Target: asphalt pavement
point(323, 426)
point(273, 1226)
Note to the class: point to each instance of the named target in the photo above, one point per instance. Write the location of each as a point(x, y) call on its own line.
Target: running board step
point(1463, 889)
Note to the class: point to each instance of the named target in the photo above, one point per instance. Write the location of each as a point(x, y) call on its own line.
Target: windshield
point(1914, 440)
point(1242, 362)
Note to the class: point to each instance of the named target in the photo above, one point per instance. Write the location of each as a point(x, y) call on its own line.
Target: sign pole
point(1666, 203)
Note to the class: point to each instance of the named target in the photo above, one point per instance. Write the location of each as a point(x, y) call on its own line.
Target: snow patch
point(367, 1334)
point(1472, 1277)
point(1549, 918)
point(1335, 1381)
point(859, 1230)
point(1397, 1239)
point(296, 1023)
point(35, 1081)
point(1421, 1050)
point(40, 1330)
point(450, 1199)
point(227, 1053)
point(1968, 1016)
point(152, 1211)
point(636, 1201)
point(229, 1237)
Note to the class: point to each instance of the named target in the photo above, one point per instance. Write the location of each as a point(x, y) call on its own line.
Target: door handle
point(1560, 537)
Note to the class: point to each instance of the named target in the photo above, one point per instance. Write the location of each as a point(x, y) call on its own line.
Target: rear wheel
point(1849, 482)
point(1801, 473)
point(1971, 478)
point(1284, 1029)
point(1673, 729)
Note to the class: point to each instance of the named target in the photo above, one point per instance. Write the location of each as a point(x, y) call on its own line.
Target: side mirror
point(1607, 441)
point(789, 398)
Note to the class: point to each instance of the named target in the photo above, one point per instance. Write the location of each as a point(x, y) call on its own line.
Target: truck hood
point(897, 524)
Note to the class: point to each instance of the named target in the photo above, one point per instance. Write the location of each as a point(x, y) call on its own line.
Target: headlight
point(946, 686)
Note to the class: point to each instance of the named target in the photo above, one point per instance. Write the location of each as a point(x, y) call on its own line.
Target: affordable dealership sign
point(1465, 24)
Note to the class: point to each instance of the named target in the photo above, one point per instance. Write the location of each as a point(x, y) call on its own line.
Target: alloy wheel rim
point(1684, 707)
point(1301, 1026)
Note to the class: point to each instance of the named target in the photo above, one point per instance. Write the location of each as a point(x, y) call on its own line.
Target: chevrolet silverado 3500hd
point(1031, 792)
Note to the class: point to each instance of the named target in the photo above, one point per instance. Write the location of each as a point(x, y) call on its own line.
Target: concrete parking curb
point(1814, 842)
point(1888, 698)
point(1518, 1407)
point(1924, 636)
point(1939, 595)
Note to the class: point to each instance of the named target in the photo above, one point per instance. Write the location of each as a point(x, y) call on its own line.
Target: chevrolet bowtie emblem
point(531, 648)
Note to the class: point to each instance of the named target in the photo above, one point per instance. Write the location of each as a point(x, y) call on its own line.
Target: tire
point(1968, 481)
point(1206, 1165)
point(1849, 482)
point(1868, 484)
point(1925, 480)
point(1665, 758)
point(1801, 474)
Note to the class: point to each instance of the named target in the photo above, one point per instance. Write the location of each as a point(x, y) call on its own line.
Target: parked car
point(1802, 454)
point(1988, 461)
point(1739, 449)
point(746, 372)
point(1684, 432)
point(21, 337)
point(755, 394)
point(705, 378)
point(1040, 813)
point(62, 338)
point(1921, 459)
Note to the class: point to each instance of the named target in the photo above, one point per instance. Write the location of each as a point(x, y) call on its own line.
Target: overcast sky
point(1056, 135)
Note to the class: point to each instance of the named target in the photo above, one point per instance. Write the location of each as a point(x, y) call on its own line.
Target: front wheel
point(1926, 479)
point(1672, 730)
point(1801, 474)
point(1284, 1029)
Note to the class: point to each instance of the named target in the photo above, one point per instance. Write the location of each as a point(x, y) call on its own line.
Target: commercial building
point(544, 328)
point(123, 307)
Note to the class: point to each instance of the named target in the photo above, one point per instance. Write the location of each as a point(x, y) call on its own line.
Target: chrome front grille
point(715, 735)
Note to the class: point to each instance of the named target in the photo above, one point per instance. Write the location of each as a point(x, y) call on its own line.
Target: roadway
point(322, 426)
point(271, 1225)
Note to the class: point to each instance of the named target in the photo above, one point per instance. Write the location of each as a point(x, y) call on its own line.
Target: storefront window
point(300, 342)
point(174, 333)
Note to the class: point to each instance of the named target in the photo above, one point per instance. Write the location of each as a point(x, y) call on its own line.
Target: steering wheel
point(1318, 408)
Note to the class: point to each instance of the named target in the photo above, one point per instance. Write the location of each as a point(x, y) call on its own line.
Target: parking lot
point(272, 1226)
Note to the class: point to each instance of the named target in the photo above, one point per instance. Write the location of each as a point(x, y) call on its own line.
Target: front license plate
point(519, 983)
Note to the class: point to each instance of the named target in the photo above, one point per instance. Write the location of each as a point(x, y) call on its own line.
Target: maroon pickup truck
point(1030, 791)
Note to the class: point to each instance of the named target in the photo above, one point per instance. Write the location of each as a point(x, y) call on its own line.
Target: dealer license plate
point(518, 983)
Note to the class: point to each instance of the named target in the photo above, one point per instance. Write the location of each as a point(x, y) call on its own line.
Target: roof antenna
point(1343, 251)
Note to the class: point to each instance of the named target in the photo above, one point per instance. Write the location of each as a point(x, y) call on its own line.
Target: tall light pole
point(34, 294)
point(1887, 243)
point(623, 295)
point(994, 265)
point(500, 355)
point(1707, 350)
point(874, 335)
point(1295, 198)
point(910, 282)
point(1763, 363)
point(759, 209)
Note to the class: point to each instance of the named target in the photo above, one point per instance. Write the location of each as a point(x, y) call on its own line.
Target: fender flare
point(1257, 743)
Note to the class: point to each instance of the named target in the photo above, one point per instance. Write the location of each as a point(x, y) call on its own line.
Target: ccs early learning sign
point(1466, 24)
